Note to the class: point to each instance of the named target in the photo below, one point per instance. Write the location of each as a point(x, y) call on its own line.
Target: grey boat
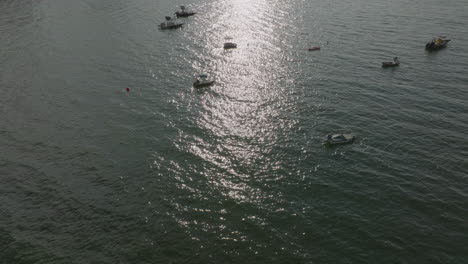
point(170, 23)
point(437, 43)
point(202, 81)
point(338, 139)
point(230, 45)
point(184, 12)
point(395, 62)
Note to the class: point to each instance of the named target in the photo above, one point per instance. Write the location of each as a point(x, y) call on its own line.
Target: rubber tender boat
point(437, 43)
point(394, 63)
point(184, 13)
point(202, 81)
point(338, 139)
point(170, 23)
point(230, 45)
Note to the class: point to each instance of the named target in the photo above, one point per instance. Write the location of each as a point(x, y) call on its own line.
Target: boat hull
point(434, 46)
point(390, 64)
point(230, 46)
point(184, 14)
point(163, 26)
point(203, 84)
point(348, 138)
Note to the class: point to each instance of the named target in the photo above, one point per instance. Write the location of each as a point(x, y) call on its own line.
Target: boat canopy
point(338, 137)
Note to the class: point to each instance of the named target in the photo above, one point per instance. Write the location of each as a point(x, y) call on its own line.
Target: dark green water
point(235, 173)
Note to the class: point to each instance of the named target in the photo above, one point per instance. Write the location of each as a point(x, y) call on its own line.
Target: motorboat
point(314, 48)
point(437, 43)
point(170, 23)
point(395, 62)
point(202, 81)
point(337, 139)
point(184, 12)
point(230, 45)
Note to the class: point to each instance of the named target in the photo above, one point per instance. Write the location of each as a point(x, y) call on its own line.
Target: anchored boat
point(184, 12)
point(230, 45)
point(395, 62)
point(170, 23)
point(338, 139)
point(437, 43)
point(202, 81)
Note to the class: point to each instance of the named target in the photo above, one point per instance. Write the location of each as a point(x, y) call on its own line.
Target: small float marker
point(127, 89)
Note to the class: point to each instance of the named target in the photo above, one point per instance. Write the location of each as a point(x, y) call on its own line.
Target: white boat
point(202, 81)
point(230, 45)
point(337, 139)
point(170, 23)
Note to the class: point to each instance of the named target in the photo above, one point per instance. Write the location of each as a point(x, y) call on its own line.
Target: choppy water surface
point(236, 172)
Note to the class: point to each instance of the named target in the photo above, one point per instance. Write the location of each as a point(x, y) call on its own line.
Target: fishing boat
point(395, 62)
point(202, 81)
point(437, 43)
point(170, 23)
point(338, 139)
point(230, 45)
point(184, 12)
